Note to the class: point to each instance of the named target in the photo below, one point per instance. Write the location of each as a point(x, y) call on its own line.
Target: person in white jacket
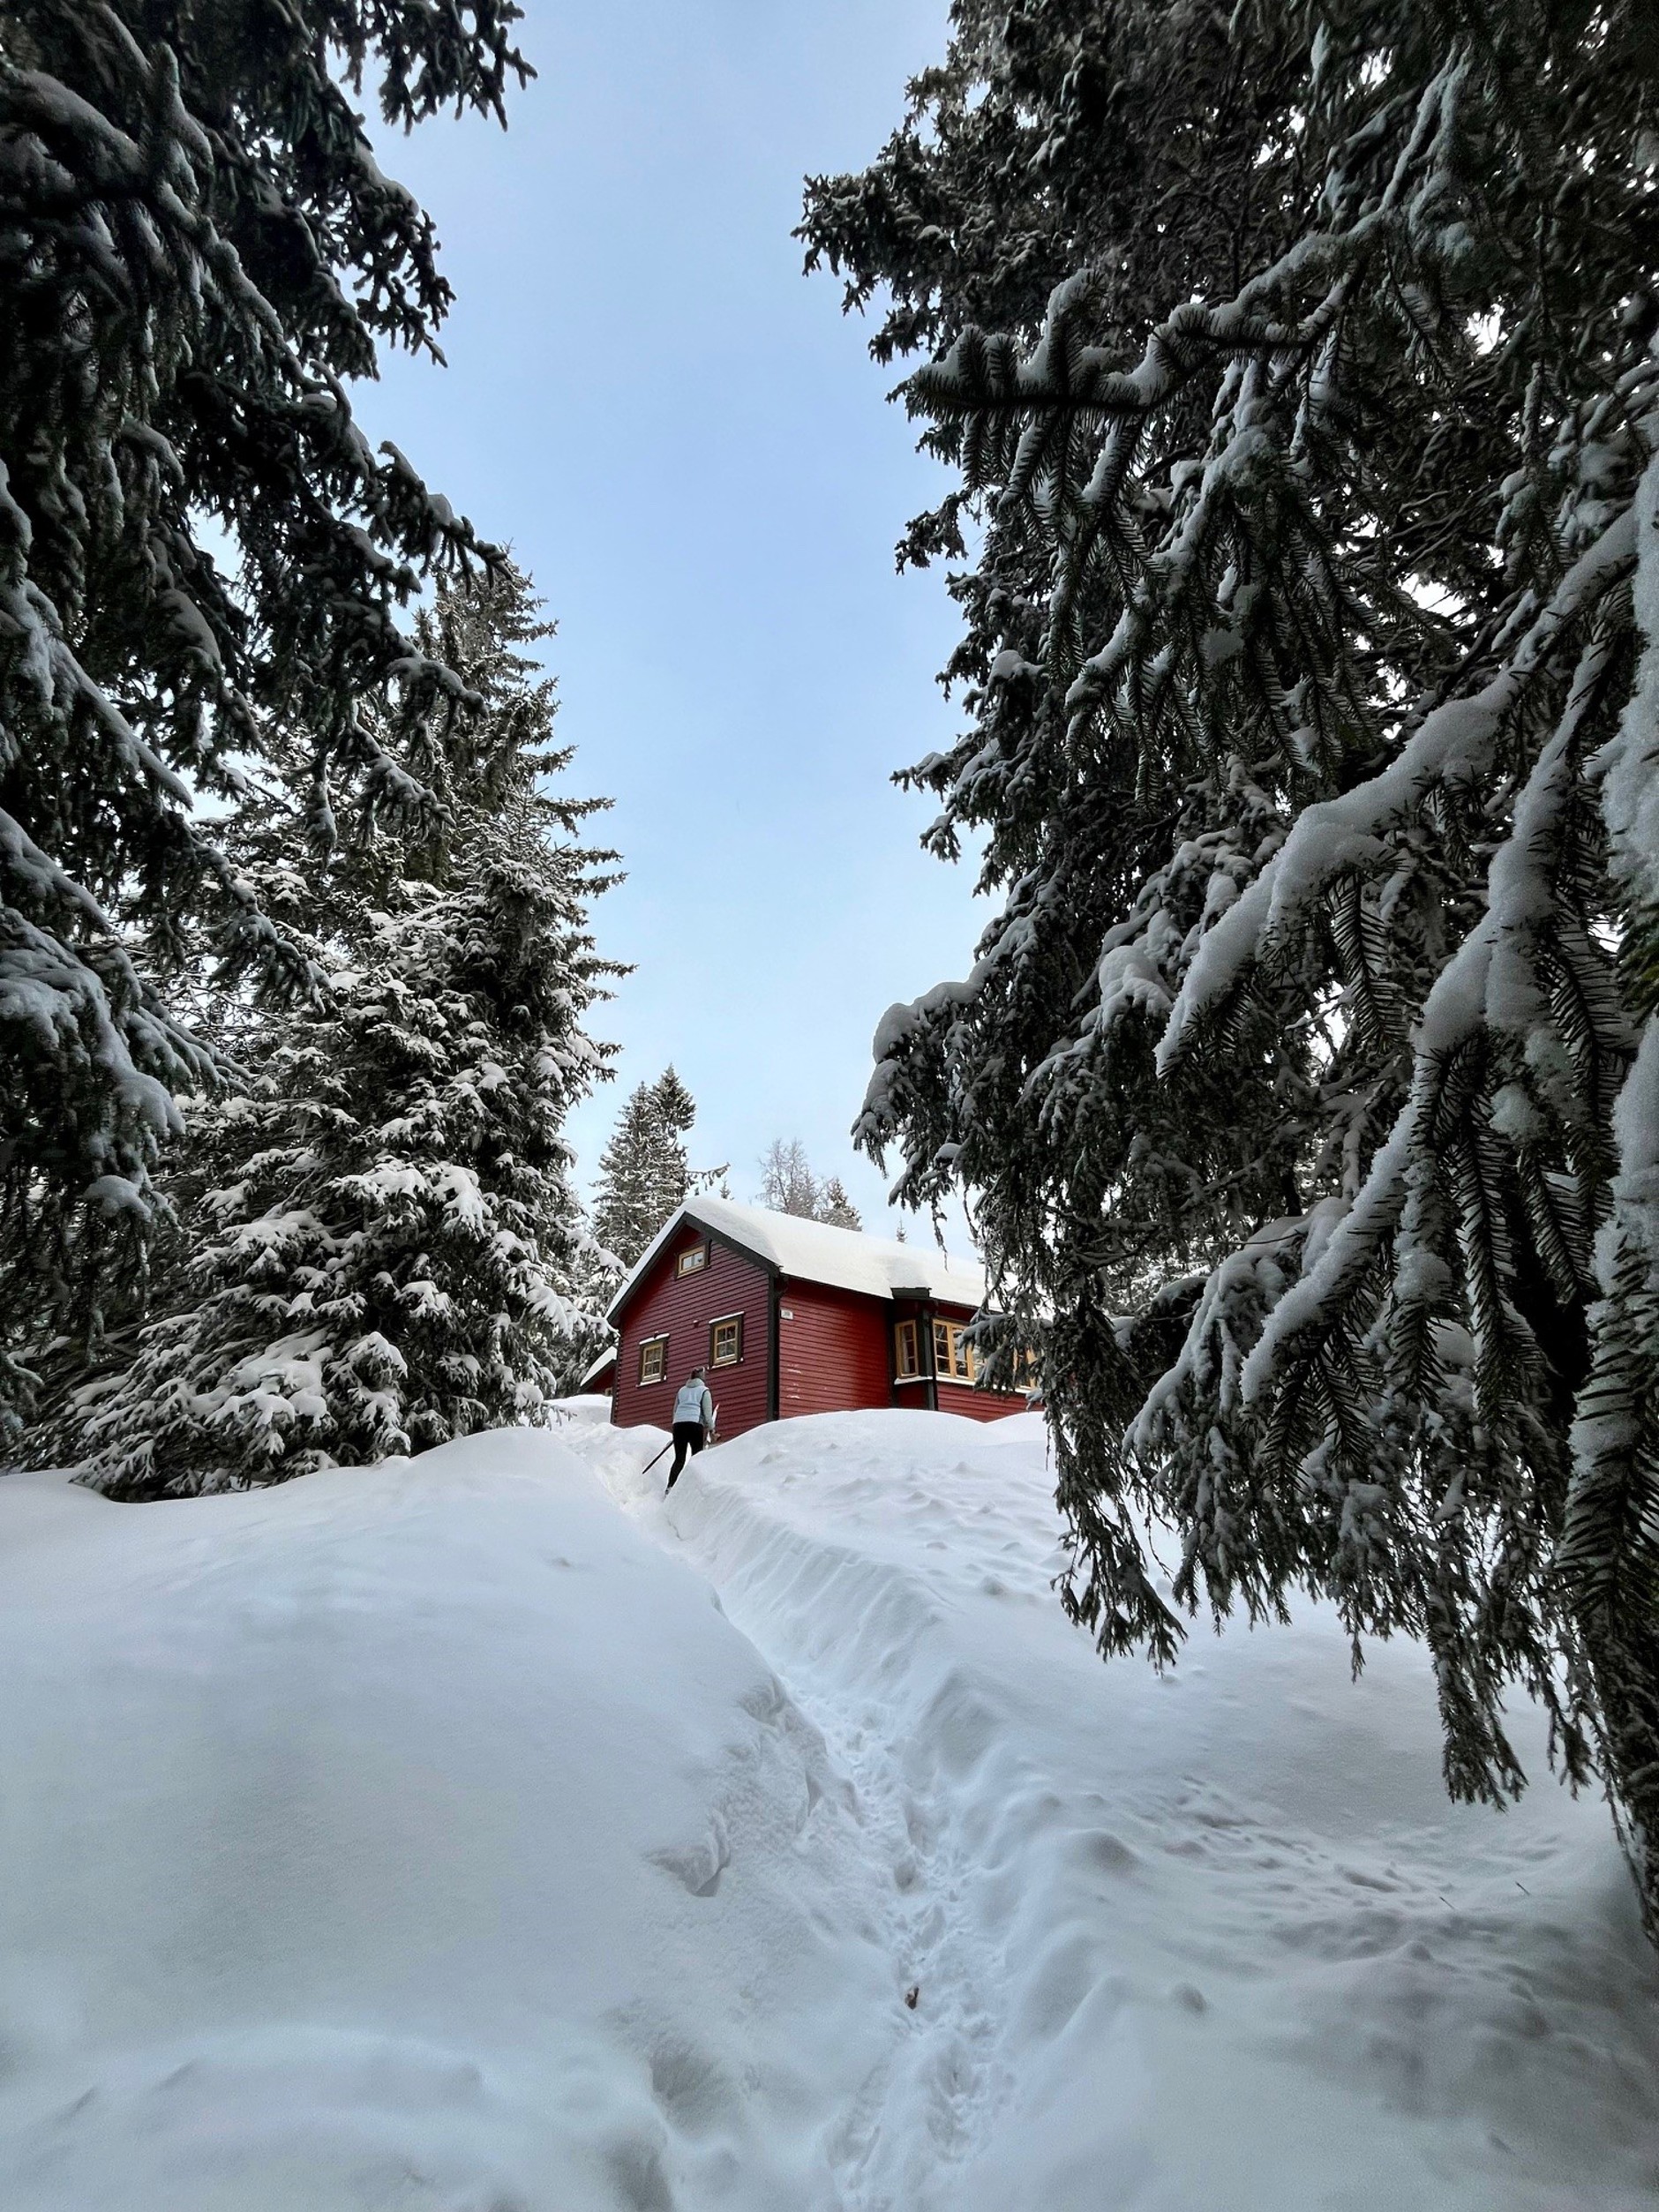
point(694, 1421)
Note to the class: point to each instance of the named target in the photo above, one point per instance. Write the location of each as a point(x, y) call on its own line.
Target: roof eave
point(642, 1266)
point(722, 1231)
point(648, 1258)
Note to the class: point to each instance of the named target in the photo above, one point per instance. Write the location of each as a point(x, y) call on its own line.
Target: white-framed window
point(726, 1340)
point(653, 1359)
point(953, 1355)
point(906, 1352)
point(693, 1262)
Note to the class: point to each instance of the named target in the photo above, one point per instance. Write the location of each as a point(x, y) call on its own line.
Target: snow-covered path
point(441, 1838)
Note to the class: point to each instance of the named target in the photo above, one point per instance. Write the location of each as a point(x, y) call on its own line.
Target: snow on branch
point(1333, 836)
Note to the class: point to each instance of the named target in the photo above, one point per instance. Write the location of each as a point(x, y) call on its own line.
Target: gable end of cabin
point(703, 1302)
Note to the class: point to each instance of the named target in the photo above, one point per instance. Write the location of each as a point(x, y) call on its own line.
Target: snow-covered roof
point(812, 1252)
point(592, 1373)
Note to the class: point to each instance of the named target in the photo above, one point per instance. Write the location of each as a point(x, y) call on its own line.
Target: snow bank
point(439, 1837)
point(414, 1838)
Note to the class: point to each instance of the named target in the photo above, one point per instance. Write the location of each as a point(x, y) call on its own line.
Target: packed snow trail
point(439, 1837)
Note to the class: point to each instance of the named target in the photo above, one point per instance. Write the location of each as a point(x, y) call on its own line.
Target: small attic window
point(693, 1262)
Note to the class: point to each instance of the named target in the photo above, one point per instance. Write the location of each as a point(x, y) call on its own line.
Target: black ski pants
point(688, 1437)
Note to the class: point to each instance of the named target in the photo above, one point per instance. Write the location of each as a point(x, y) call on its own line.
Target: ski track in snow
point(943, 2066)
point(942, 2072)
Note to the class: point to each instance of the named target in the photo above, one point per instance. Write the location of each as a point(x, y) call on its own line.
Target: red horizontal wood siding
point(961, 1397)
point(832, 1350)
point(681, 1308)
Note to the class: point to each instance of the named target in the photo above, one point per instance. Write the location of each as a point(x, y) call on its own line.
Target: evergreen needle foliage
point(1296, 364)
point(644, 1172)
point(198, 252)
point(376, 1246)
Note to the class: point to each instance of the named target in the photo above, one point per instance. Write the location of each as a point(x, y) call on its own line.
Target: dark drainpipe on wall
point(774, 1300)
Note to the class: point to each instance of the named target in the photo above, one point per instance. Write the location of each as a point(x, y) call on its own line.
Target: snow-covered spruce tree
point(198, 252)
point(381, 1248)
point(1297, 362)
point(644, 1171)
point(836, 1208)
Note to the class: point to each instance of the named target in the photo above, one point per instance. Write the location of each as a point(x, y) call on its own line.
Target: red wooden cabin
point(791, 1316)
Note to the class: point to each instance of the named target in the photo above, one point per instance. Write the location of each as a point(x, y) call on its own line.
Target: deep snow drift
point(445, 1836)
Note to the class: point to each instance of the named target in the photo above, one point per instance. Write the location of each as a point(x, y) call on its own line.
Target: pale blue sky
point(689, 450)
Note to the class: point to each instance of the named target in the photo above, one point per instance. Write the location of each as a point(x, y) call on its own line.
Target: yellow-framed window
point(953, 1355)
point(653, 1359)
point(906, 1352)
point(693, 1262)
point(726, 1340)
